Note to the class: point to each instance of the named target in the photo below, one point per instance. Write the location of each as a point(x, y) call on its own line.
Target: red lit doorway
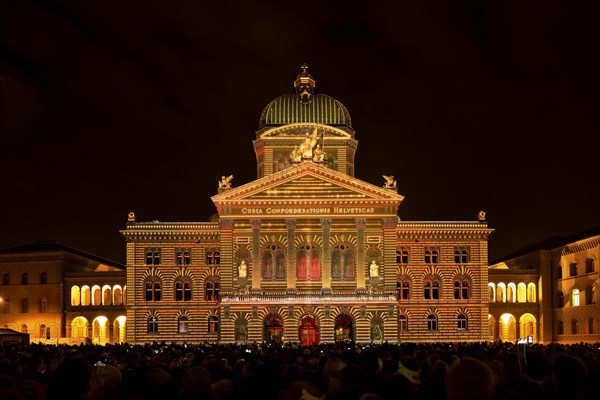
point(309, 331)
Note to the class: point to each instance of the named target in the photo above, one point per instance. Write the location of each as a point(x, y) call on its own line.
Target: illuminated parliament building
point(306, 253)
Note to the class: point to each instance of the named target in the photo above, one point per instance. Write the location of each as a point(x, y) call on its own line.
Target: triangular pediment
point(309, 184)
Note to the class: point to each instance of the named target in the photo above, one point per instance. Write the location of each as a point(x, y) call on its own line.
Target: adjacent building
point(548, 292)
point(58, 294)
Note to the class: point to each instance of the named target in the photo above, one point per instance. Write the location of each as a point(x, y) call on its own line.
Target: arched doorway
point(273, 328)
point(508, 328)
point(527, 326)
point(308, 331)
point(343, 328)
point(79, 330)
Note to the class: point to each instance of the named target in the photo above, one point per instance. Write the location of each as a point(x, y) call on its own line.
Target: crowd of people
point(281, 371)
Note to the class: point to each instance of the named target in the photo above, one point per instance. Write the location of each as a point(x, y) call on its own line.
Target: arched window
point(403, 323)
point(213, 323)
point(44, 304)
point(75, 296)
point(182, 326)
point(273, 262)
point(561, 299)
point(560, 327)
point(23, 328)
point(210, 258)
point(431, 289)
point(574, 326)
point(461, 289)
point(589, 266)
point(531, 295)
point(153, 290)
point(432, 323)
point(217, 258)
point(573, 269)
point(187, 258)
point(183, 290)
point(152, 325)
point(308, 263)
point(403, 286)
point(106, 295)
point(117, 295)
point(405, 256)
point(24, 278)
point(461, 321)
point(43, 331)
point(575, 298)
point(433, 256)
point(491, 292)
point(591, 325)
point(212, 290)
point(179, 258)
point(43, 278)
point(25, 305)
point(343, 262)
point(6, 279)
point(152, 256)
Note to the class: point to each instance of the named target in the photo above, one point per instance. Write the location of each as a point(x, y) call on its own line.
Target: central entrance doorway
point(308, 331)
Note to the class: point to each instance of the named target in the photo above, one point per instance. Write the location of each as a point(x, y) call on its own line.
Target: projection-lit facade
point(307, 253)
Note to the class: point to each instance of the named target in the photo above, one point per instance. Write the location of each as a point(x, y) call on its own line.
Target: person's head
point(470, 379)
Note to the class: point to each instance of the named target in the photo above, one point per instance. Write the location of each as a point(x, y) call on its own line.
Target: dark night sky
point(108, 107)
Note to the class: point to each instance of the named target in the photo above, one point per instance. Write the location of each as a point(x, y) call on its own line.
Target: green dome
point(291, 109)
point(304, 106)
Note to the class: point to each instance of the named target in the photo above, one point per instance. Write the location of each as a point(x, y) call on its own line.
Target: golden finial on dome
point(304, 84)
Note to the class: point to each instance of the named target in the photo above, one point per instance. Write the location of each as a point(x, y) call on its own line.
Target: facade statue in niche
point(225, 182)
point(390, 182)
point(243, 270)
point(373, 269)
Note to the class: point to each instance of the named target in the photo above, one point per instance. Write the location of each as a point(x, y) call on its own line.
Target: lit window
point(461, 322)
point(153, 290)
point(432, 323)
point(182, 326)
point(213, 323)
point(152, 325)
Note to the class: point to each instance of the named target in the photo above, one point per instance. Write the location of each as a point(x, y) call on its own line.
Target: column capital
point(325, 223)
point(361, 223)
point(290, 223)
point(226, 223)
point(390, 222)
point(255, 223)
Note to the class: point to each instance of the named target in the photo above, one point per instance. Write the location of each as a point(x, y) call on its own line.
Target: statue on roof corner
point(390, 182)
point(481, 216)
point(225, 182)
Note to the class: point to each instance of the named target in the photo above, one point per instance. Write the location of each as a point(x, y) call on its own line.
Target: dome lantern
point(304, 84)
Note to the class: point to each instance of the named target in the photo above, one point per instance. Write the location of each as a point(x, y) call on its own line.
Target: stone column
point(361, 286)
point(326, 257)
point(256, 266)
point(291, 256)
point(226, 250)
point(388, 269)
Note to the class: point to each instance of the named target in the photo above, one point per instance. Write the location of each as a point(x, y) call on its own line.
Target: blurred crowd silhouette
point(377, 371)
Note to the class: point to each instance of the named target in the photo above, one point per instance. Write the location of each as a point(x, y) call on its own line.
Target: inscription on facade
point(316, 210)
